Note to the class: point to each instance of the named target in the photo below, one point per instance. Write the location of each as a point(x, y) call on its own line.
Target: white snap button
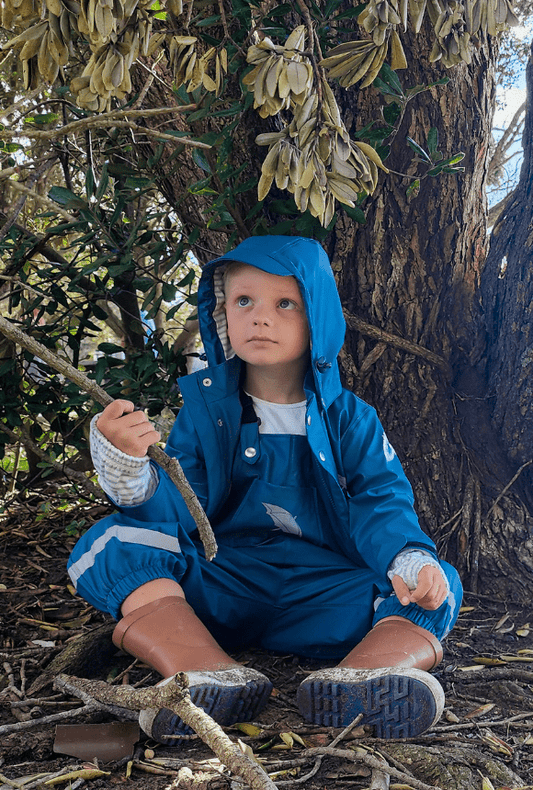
point(220, 423)
point(309, 420)
point(250, 452)
point(322, 456)
point(207, 382)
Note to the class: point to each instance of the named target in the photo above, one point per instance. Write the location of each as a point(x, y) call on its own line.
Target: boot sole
point(226, 704)
point(395, 704)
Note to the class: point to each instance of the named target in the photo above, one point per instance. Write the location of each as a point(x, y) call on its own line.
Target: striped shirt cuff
point(125, 479)
point(407, 565)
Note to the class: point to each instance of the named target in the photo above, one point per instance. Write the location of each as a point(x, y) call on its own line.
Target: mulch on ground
point(484, 739)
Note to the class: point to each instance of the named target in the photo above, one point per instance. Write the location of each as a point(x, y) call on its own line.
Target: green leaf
point(446, 166)
point(419, 150)
point(391, 112)
point(350, 13)
point(187, 280)
point(413, 189)
point(330, 7)
point(102, 184)
point(137, 182)
point(433, 140)
point(89, 182)
point(208, 21)
point(109, 348)
point(387, 82)
point(199, 115)
point(199, 157)
point(233, 109)
point(355, 213)
point(169, 292)
point(202, 188)
point(421, 88)
point(45, 117)
point(64, 197)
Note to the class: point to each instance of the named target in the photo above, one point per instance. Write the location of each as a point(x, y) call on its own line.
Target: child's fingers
point(431, 590)
point(402, 590)
point(117, 408)
point(129, 430)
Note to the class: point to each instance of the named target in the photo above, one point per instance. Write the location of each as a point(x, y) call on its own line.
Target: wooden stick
point(175, 696)
point(171, 465)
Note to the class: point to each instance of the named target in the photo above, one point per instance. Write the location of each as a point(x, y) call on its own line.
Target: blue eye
point(287, 304)
point(243, 301)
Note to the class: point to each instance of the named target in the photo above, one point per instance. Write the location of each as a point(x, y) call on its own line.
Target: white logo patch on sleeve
point(283, 519)
point(388, 449)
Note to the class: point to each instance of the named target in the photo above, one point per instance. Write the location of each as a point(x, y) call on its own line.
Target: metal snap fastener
point(250, 452)
point(220, 423)
point(309, 420)
point(207, 382)
point(322, 456)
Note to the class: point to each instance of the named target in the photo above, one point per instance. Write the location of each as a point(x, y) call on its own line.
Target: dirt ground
point(484, 739)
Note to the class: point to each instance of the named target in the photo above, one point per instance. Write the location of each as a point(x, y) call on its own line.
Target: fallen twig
point(176, 697)
point(346, 731)
point(91, 707)
point(171, 465)
point(360, 755)
point(301, 779)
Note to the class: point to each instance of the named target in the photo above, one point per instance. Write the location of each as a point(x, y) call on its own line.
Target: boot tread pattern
point(225, 705)
point(394, 705)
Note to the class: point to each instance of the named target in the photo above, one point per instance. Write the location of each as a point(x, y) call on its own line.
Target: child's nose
point(262, 316)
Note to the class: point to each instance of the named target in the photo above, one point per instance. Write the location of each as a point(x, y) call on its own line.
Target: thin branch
point(506, 139)
point(508, 486)
point(111, 119)
point(147, 85)
point(398, 342)
point(171, 465)
point(314, 770)
point(497, 210)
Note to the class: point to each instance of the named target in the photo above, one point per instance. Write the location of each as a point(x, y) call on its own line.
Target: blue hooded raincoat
point(315, 589)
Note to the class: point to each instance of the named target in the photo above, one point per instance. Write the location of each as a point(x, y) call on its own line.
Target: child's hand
point(128, 430)
point(430, 592)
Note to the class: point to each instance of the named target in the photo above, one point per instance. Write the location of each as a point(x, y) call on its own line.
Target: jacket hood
point(286, 256)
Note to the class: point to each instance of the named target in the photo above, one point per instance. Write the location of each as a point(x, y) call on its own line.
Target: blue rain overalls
point(275, 581)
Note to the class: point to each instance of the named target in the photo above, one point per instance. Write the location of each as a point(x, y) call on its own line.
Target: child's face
point(267, 325)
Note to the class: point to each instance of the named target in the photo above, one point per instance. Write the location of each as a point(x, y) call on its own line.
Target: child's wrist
point(408, 564)
point(105, 450)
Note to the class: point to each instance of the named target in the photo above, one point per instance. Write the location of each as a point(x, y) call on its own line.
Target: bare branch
point(109, 119)
point(394, 340)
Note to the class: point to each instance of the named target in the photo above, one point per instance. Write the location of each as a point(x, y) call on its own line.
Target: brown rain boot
point(384, 678)
point(168, 636)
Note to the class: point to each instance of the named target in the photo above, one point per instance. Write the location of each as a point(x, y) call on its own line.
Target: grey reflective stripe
point(143, 537)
